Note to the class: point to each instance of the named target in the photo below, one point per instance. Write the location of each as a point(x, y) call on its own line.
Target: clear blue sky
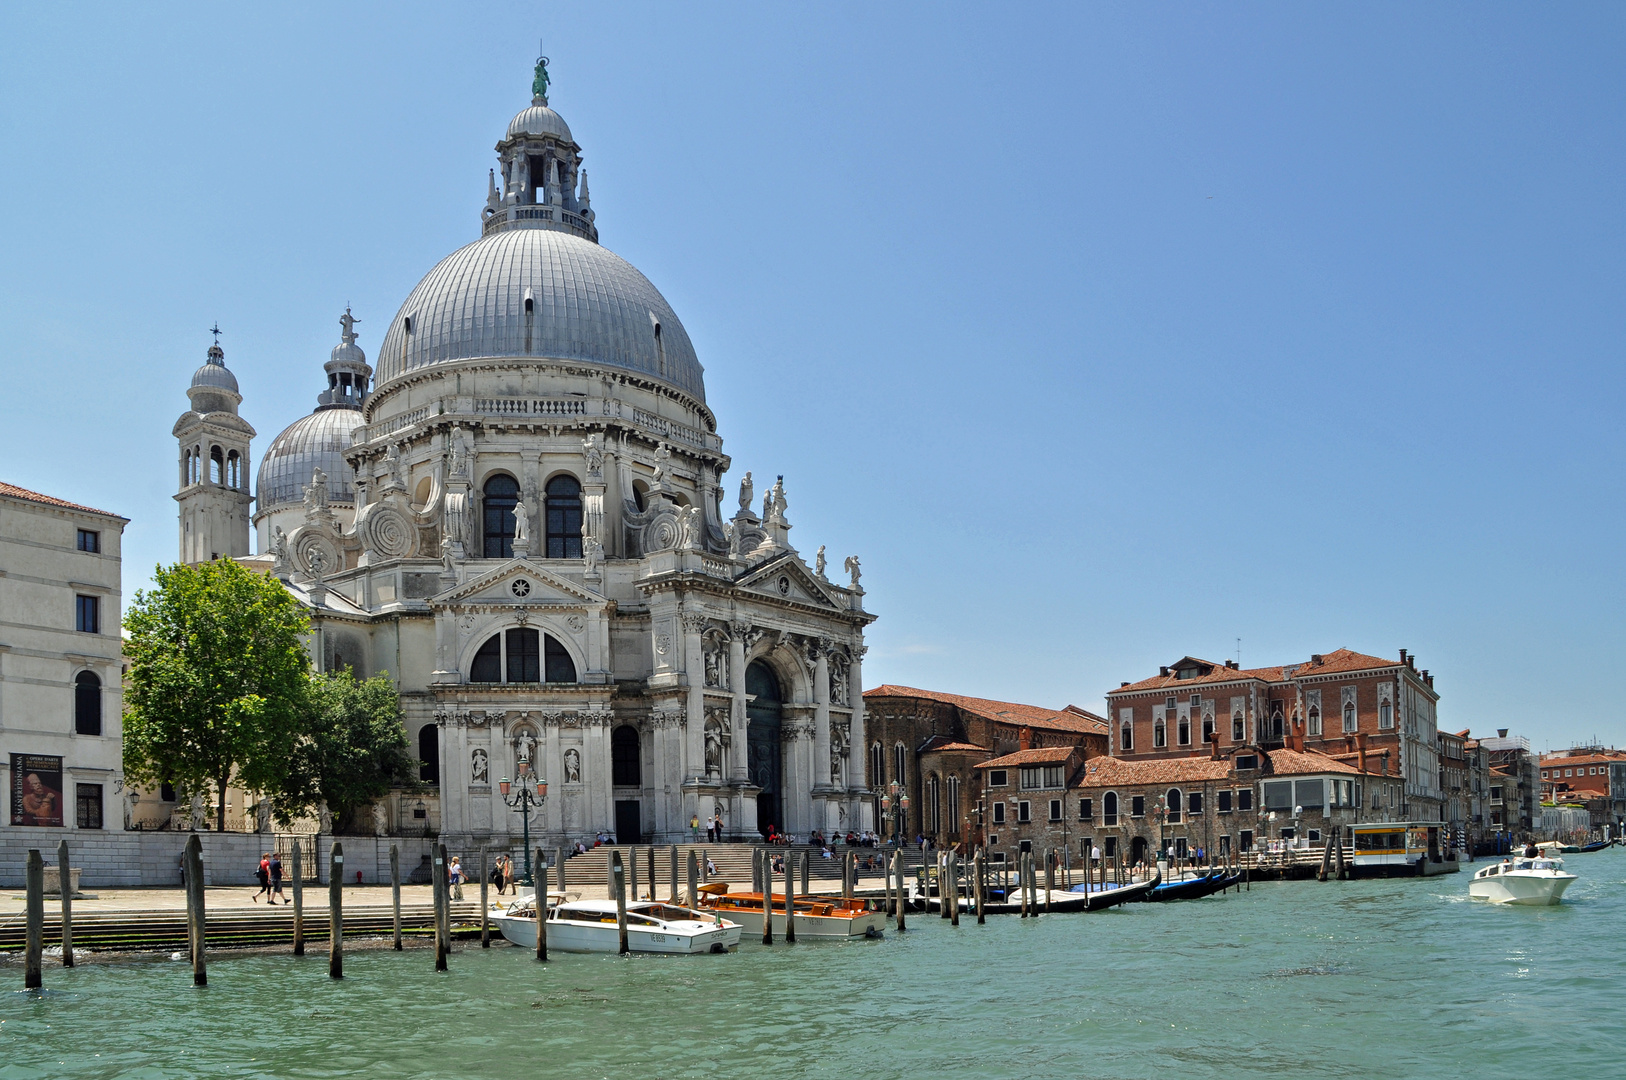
point(1103, 335)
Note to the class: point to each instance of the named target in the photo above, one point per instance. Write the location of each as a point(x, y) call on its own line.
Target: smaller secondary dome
point(317, 441)
point(216, 376)
point(539, 120)
point(348, 352)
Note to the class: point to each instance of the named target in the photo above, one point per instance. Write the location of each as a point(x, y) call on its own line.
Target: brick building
point(932, 743)
point(1336, 700)
point(1593, 776)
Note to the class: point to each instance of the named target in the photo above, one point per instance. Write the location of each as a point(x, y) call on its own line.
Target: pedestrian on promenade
point(456, 874)
point(276, 879)
point(694, 828)
point(717, 827)
point(262, 874)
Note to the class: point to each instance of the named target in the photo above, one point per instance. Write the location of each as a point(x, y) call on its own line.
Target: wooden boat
point(1060, 901)
point(1597, 845)
point(1099, 898)
point(1191, 888)
point(592, 926)
point(817, 917)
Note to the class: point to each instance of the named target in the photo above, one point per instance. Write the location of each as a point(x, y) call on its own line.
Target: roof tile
point(1007, 712)
point(33, 496)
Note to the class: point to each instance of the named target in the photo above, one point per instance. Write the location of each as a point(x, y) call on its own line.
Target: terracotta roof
point(1108, 771)
point(959, 748)
point(1296, 763)
point(1331, 663)
point(1044, 755)
point(1559, 761)
point(1007, 712)
point(33, 496)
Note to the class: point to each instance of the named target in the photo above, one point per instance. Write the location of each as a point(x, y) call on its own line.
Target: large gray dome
point(317, 441)
point(588, 304)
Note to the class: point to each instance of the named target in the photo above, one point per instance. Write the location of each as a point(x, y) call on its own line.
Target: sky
point(1104, 335)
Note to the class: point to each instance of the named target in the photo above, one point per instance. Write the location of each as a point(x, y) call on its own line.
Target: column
point(738, 768)
point(596, 771)
point(858, 741)
point(820, 776)
point(693, 760)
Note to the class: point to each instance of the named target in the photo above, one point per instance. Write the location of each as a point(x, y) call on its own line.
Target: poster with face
point(36, 790)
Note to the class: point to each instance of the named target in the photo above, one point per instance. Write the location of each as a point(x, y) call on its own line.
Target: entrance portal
point(629, 822)
point(763, 755)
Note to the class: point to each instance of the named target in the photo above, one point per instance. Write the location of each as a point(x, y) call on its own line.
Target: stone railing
point(366, 433)
point(531, 406)
point(670, 428)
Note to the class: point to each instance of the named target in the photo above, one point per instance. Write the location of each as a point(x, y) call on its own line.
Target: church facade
point(519, 516)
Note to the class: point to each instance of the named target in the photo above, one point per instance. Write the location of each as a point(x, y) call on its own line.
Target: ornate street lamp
point(897, 806)
point(525, 796)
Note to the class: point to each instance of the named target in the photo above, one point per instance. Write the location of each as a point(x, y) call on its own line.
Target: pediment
point(522, 583)
point(787, 578)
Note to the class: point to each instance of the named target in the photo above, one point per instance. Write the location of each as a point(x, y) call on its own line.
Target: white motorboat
point(591, 926)
point(1538, 882)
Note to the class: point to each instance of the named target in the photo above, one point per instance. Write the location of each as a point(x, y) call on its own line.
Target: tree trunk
point(220, 806)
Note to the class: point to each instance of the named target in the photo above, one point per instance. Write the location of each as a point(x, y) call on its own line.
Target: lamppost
point(896, 806)
point(521, 801)
point(1160, 814)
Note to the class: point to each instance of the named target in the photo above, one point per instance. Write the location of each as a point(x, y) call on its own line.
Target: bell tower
point(214, 490)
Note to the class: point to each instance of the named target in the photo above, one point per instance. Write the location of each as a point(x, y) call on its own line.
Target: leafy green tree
point(352, 750)
point(218, 684)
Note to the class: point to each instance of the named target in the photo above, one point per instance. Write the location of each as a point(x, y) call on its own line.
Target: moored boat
point(1537, 882)
point(821, 918)
point(1194, 888)
point(592, 926)
point(1100, 897)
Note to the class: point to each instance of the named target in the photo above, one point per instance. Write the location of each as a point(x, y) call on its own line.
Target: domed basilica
point(519, 517)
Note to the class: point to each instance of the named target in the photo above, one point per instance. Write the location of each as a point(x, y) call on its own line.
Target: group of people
point(269, 875)
point(864, 838)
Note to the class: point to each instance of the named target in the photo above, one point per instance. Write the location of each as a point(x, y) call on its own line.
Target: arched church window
point(429, 754)
point(217, 465)
point(625, 767)
point(898, 760)
point(501, 496)
point(877, 766)
point(87, 704)
point(952, 808)
point(558, 665)
point(524, 655)
point(234, 470)
point(564, 518)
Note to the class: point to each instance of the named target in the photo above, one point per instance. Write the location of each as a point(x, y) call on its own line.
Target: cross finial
point(215, 330)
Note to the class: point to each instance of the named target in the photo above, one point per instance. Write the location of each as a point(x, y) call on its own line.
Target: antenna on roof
point(1239, 653)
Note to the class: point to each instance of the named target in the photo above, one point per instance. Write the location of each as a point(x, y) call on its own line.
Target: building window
point(525, 656)
point(87, 614)
point(998, 778)
point(564, 518)
point(1237, 732)
point(1247, 761)
point(89, 799)
point(626, 767)
point(501, 496)
point(999, 813)
point(1171, 800)
point(1350, 723)
point(1225, 802)
point(1109, 808)
point(898, 760)
point(1315, 720)
point(1310, 794)
point(89, 541)
point(1160, 736)
point(557, 664)
point(1279, 795)
point(1055, 809)
point(1244, 799)
point(1111, 850)
point(1276, 723)
point(1137, 806)
point(1315, 836)
point(429, 754)
point(87, 704)
point(1194, 802)
point(1126, 737)
point(1208, 730)
point(1184, 730)
point(1031, 778)
point(1086, 809)
point(1386, 715)
point(1024, 811)
point(952, 809)
point(217, 465)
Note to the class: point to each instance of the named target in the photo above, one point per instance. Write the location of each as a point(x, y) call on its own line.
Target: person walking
point(276, 880)
point(694, 828)
point(456, 873)
point(262, 874)
point(497, 873)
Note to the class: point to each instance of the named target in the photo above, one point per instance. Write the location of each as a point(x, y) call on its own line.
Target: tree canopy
point(218, 682)
point(352, 749)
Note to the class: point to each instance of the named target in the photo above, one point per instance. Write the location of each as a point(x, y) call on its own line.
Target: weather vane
point(539, 85)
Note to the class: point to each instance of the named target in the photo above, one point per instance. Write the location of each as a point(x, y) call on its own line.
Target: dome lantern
point(543, 184)
point(348, 374)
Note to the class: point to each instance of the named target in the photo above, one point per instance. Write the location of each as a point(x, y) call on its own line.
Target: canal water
point(1404, 978)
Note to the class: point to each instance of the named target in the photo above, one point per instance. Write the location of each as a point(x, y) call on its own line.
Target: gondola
point(1597, 845)
point(1097, 898)
point(1191, 889)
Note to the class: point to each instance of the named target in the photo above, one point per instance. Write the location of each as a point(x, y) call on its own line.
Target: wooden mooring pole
point(897, 862)
point(1049, 877)
point(954, 888)
point(299, 898)
point(485, 917)
point(619, 876)
point(651, 856)
point(674, 897)
point(559, 862)
point(33, 978)
point(395, 893)
point(65, 879)
point(200, 923)
point(540, 902)
point(790, 893)
point(438, 870)
point(694, 879)
point(979, 870)
point(335, 912)
point(767, 898)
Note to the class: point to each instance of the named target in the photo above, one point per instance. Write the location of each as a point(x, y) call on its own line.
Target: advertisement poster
point(36, 789)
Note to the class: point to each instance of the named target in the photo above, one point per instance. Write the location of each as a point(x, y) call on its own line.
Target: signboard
point(36, 790)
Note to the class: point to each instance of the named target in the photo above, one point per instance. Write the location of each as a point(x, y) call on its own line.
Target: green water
point(1359, 979)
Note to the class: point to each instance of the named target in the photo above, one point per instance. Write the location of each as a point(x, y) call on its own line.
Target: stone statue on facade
point(539, 84)
point(324, 818)
point(524, 747)
point(717, 740)
point(818, 563)
point(717, 668)
point(479, 771)
point(392, 468)
point(279, 553)
point(522, 523)
point(593, 451)
point(573, 766)
point(460, 451)
point(380, 823)
point(316, 493)
point(747, 493)
point(852, 568)
point(663, 464)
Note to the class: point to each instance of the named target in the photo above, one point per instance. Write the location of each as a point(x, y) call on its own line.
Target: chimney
point(1402, 656)
point(1360, 750)
point(1025, 738)
point(1501, 733)
point(1122, 685)
point(1163, 672)
point(1213, 745)
point(1317, 659)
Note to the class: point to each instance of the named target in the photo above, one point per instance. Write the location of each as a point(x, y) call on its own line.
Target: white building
point(522, 523)
point(60, 667)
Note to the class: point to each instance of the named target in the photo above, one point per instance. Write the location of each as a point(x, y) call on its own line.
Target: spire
point(554, 193)
point(582, 199)
point(216, 355)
